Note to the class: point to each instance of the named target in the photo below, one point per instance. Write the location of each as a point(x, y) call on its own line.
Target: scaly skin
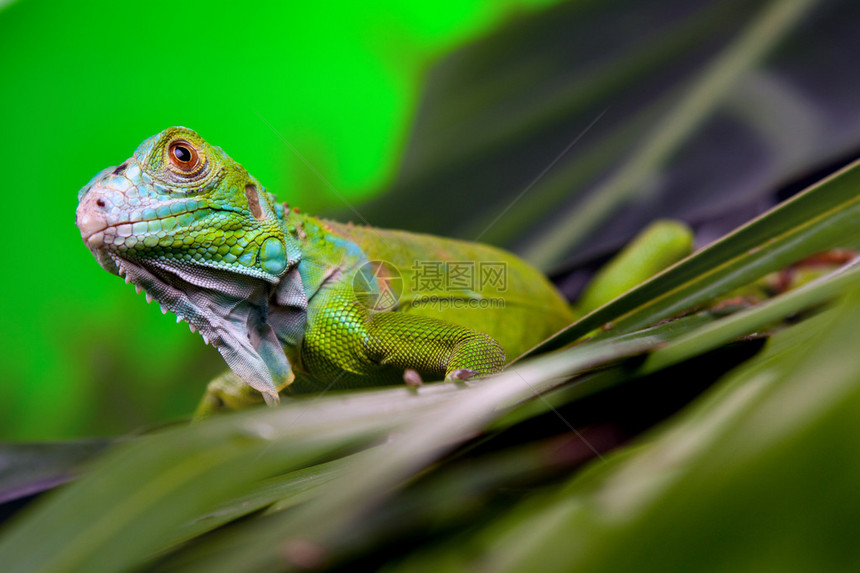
point(284, 296)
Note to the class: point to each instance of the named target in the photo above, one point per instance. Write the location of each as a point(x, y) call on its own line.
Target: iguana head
point(200, 235)
point(181, 200)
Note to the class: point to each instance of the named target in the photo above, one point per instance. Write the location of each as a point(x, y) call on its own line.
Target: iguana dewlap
point(298, 303)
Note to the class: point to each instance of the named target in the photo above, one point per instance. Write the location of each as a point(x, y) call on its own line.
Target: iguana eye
point(183, 155)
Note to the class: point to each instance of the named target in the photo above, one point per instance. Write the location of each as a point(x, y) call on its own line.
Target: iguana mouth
point(99, 231)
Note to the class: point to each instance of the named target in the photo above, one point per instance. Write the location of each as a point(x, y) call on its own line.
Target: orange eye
point(183, 155)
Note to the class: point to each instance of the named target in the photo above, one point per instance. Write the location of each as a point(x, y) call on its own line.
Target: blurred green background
point(81, 84)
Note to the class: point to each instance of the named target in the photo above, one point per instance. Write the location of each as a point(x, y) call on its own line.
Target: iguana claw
point(412, 378)
point(461, 374)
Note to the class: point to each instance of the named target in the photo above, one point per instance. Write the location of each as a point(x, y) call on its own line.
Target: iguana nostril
point(100, 203)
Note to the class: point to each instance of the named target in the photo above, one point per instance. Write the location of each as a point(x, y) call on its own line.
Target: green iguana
point(294, 303)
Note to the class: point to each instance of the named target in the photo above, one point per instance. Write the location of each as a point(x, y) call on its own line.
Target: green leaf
point(275, 493)
point(824, 216)
point(28, 468)
point(138, 495)
point(367, 480)
point(718, 488)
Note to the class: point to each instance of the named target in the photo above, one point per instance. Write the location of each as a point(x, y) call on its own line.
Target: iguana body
point(296, 303)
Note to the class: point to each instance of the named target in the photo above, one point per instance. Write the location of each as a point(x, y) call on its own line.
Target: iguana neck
point(325, 255)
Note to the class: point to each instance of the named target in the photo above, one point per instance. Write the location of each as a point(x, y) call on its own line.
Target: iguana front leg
point(431, 346)
point(343, 337)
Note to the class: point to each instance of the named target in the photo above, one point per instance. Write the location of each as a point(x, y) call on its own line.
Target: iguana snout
point(92, 221)
point(100, 210)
